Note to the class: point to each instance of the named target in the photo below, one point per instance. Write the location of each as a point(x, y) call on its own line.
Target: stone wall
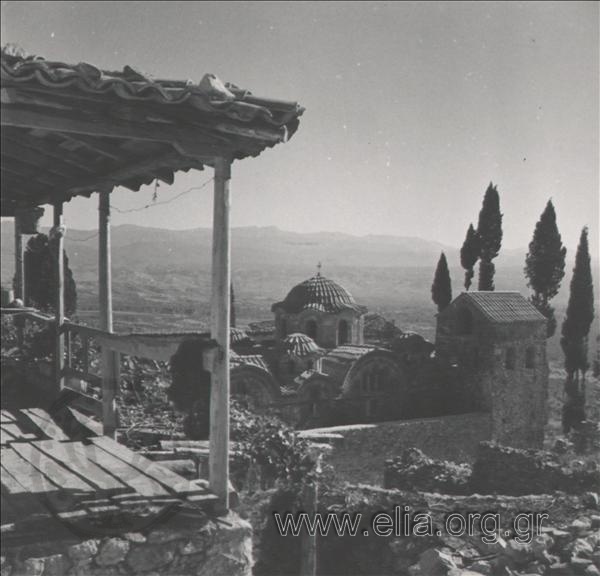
point(360, 450)
point(327, 325)
point(496, 470)
point(217, 547)
point(504, 470)
point(502, 368)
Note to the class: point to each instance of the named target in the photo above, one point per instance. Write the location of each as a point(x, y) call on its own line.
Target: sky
point(411, 108)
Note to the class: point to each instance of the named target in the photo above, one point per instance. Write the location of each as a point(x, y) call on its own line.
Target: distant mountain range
point(168, 271)
point(161, 278)
point(135, 246)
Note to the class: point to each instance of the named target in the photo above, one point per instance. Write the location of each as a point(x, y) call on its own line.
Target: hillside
point(161, 278)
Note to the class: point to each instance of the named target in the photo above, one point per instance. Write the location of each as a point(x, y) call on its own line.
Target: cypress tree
point(469, 254)
point(41, 276)
point(575, 330)
point(545, 264)
point(489, 230)
point(441, 289)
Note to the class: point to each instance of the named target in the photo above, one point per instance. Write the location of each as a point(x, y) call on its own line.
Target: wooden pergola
point(75, 130)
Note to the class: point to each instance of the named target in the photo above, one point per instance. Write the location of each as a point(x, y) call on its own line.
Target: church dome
point(300, 345)
point(321, 294)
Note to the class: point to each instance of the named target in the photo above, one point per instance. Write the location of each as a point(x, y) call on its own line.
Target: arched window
point(343, 332)
point(464, 322)
point(511, 359)
point(311, 329)
point(530, 357)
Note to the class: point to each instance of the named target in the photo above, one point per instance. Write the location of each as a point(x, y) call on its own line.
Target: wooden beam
point(176, 135)
point(137, 169)
point(110, 360)
point(220, 314)
point(28, 149)
point(76, 142)
point(58, 240)
point(35, 161)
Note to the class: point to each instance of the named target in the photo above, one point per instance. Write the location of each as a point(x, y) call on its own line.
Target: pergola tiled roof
point(73, 129)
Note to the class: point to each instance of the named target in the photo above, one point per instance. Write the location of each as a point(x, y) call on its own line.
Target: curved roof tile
point(209, 95)
point(321, 294)
point(300, 345)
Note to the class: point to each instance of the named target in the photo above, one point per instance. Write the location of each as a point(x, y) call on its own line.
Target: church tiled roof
point(320, 294)
point(238, 336)
point(300, 345)
point(502, 307)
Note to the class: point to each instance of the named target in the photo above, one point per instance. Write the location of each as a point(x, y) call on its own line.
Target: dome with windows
point(320, 294)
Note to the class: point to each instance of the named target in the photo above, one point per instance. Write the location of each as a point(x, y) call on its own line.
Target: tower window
point(530, 357)
point(343, 332)
point(511, 359)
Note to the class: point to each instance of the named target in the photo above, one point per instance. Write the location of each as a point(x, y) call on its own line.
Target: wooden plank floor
point(45, 473)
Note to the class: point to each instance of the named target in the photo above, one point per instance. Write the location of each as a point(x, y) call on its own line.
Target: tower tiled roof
point(502, 307)
point(321, 294)
point(300, 345)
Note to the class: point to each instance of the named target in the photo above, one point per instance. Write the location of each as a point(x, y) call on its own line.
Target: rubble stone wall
point(503, 470)
point(359, 456)
point(220, 547)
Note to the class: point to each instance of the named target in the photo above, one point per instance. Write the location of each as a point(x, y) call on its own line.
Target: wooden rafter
point(105, 127)
point(28, 159)
point(32, 152)
point(147, 166)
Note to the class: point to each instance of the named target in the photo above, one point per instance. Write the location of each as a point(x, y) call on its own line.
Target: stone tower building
point(496, 345)
point(323, 310)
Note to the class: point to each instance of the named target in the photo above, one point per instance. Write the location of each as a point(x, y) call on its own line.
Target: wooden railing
point(97, 392)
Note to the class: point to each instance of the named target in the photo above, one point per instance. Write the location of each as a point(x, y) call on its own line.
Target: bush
point(267, 445)
point(274, 449)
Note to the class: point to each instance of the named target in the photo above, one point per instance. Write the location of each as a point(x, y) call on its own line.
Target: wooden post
point(220, 315)
point(19, 280)
point(59, 301)
point(19, 263)
point(85, 352)
point(109, 369)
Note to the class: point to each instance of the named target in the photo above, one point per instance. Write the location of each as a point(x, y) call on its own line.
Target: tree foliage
point(575, 331)
point(441, 289)
point(41, 275)
point(545, 264)
point(489, 230)
point(469, 254)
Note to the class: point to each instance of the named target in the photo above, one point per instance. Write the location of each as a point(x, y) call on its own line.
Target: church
point(314, 367)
